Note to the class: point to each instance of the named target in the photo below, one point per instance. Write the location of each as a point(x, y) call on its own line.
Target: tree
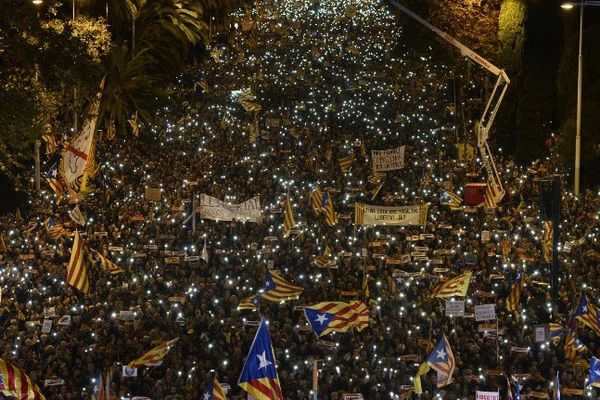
point(163, 32)
point(40, 52)
point(512, 35)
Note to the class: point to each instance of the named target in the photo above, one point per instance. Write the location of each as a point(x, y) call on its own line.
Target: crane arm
point(484, 125)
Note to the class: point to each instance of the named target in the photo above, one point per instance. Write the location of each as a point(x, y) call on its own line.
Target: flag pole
point(194, 214)
point(497, 343)
point(37, 164)
point(315, 377)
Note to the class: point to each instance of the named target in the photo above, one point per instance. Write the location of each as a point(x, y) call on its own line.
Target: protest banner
point(388, 160)
point(485, 312)
point(215, 209)
point(366, 214)
point(152, 194)
point(487, 395)
point(455, 308)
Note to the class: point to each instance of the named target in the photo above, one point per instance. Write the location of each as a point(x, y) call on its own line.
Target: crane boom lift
point(484, 124)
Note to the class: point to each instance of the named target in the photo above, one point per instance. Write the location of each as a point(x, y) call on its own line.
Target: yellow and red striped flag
point(337, 316)
point(55, 230)
point(135, 127)
point(376, 177)
point(278, 289)
point(53, 179)
point(214, 391)
point(359, 213)
point(454, 287)
point(573, 346)
point(451, 199)
point(17, 384)
point(154, 356)
point(346, 162)
point(77, 271)
point(251, 106)
point(376, 189)
point(249, 303)
point(315, 198)
point(324, 260)
point(328, 153)
point(587, 314)
point(50, 142)
point(547, 241)
point(490, 199)
point(512, 302)
point(254, 129)
point(104, 263)
point(506, 245)
point(327, 206)
point(288, 217)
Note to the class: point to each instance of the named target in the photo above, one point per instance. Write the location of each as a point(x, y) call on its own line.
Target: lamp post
point(568, 6)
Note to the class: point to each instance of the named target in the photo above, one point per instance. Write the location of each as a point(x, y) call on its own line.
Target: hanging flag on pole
point(441, 360)
point(278, 289)
point(595, 372)
point(288, 217)
point(547, 241)
point(214, 391)
point(512, 302)
point(77, 216)
point(204, 255)
point(250, 303)
point(190, 216)
point(50, 142)
point(315, 199)
point(77, 271)
point(152, 357)
point(327, 207)
point(454, 287)
point(337, 316)
point(104, 263)
point(54, 181)
point(17, 384)
point(587, 314)
point(556, 391)
point(259, 376)
point(77, 165)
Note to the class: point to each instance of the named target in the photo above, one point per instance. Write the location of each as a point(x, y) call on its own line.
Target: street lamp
point(567, 6)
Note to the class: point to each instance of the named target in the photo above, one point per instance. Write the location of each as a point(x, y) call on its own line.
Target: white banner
point(365, 214)
point(65, 320)
point(47, 326)
point(388, 160)
point(215, 209)
point(487, 395)
point(129, 372)
point(455, 308)
point(485, 312)
point(352, 396)
point(54, 382)
point(542, 332)
point(78, 152)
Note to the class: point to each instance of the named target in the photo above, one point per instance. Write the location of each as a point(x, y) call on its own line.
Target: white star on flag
point(321, 318)
point(441, 354)
point(262, 358)
point(207, 396)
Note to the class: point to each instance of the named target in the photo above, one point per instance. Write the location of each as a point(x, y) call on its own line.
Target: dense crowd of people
point(318, 82)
